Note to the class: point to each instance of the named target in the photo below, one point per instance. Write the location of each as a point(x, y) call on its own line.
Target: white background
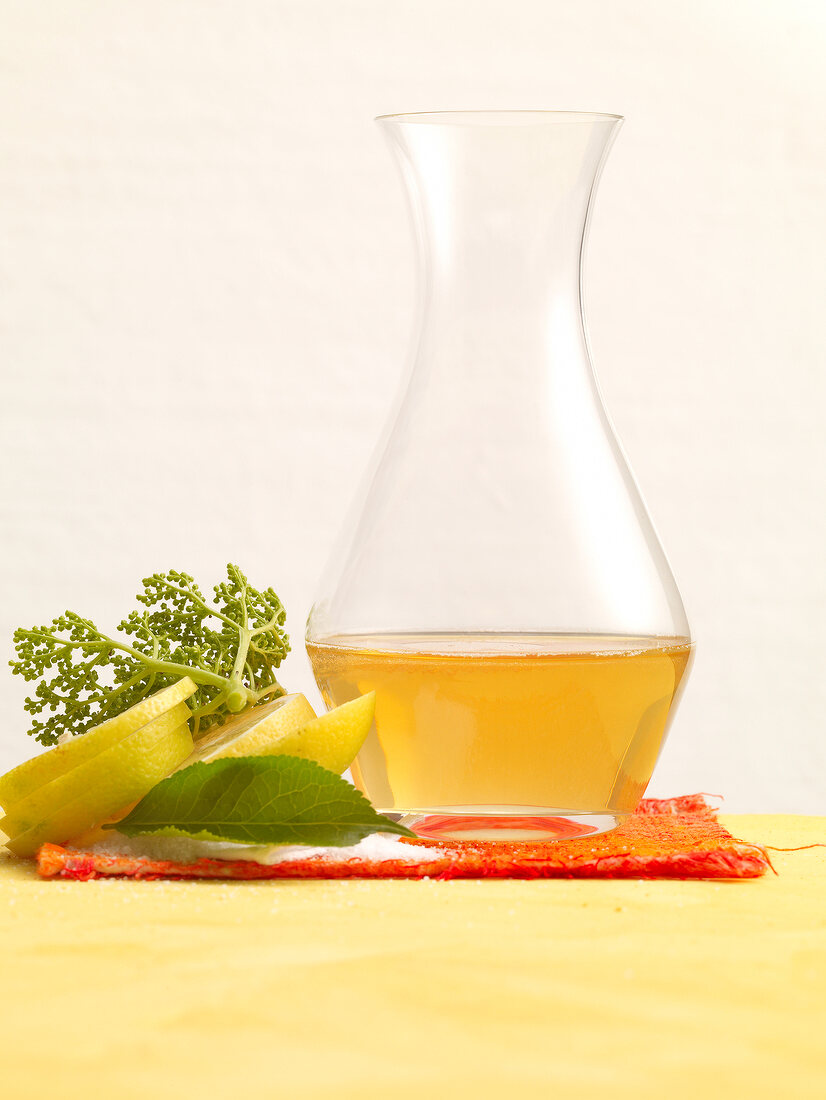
point(207, 289)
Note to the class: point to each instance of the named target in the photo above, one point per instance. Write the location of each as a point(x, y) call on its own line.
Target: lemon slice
point(99, 788)
point(256, 733)
point(85, 776)
point(27, 777)
point(331, 740)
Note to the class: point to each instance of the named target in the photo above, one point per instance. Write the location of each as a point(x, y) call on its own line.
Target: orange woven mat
point(668, 838)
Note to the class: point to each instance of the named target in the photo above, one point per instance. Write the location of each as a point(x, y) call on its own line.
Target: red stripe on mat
point(665, 838)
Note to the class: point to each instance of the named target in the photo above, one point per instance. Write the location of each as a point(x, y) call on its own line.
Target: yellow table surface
point(410, 989)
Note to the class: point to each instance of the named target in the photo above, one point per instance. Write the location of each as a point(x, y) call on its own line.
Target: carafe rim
point(497, 116)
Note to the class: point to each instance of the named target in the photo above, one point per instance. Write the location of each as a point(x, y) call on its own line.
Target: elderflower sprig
point(230, 647)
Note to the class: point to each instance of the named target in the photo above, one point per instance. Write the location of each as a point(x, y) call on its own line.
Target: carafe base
point(518, 824)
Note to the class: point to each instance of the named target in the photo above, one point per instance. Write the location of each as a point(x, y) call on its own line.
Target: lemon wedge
point(27, 777)
point(334, 739)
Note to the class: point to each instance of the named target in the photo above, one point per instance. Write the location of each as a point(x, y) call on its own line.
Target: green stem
point(200, 601)
point(273, 622)
point(210, 707)
point(274, 689)
point(170, 668)
point(244, 638)
point(250, 676)
point(164, 668)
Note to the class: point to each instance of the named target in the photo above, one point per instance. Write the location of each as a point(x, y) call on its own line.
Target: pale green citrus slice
point(27, 777)
point(256, 732)
point(114, 779)
point(85, 776)
point(331, 740)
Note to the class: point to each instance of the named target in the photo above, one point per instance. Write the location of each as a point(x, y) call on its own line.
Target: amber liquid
point(506, 723)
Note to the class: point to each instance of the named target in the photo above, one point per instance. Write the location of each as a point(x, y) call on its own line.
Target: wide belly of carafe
point(506, 726)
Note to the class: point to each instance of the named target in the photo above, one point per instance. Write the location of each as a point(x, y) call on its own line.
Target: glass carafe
point(500, 585)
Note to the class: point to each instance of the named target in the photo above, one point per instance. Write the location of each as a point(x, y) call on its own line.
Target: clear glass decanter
point(500, 585)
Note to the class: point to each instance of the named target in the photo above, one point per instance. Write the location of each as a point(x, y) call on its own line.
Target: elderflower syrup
point(502, 725)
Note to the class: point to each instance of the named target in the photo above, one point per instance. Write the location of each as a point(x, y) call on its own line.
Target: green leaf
point(258, 800)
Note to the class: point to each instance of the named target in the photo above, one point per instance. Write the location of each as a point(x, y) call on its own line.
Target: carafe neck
point(500, 204)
